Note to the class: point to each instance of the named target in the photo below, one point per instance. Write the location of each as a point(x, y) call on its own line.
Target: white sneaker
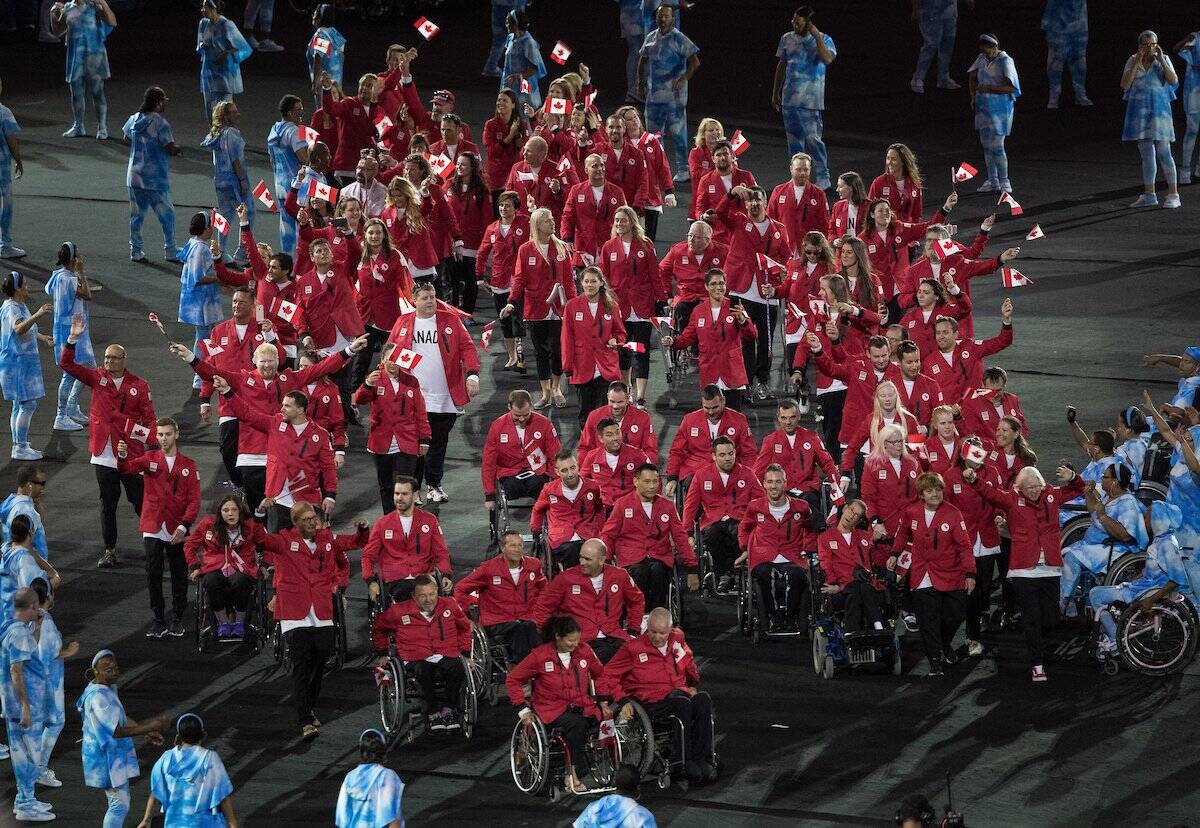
point(1171, 201)
point(11, 251)
point(988, 187)
point(1146, 200)
point(1083, 100)
point(974, 648)
point(33, 815)
point(437, 494)
point(1052, 104)
point(3, 751)
point(75, 132)
point(102, 134)
point(25, 452)
point(917, 86)
point(78, 415)
point(48, 779)
point(1038, 673)
point(269, 45)
point(66, 424)
point(949, 83)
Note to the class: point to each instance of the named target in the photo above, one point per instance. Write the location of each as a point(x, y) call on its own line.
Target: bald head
point(591, 556)
point(114, 359)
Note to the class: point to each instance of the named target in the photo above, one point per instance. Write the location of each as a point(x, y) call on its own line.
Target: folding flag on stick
point(426, 27)
point(739, 143)
point(1014, 208)
point(964, 172)
point(219, 223)
point(560, 53)
point(485, 338)
point(154, 318)
point(1035, 233)
point(263, 194)
point(1014, 278)
point(322, 45)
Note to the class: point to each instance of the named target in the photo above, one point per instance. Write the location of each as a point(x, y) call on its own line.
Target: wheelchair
point(538, 757)
point(833, 647)
point(337, 659)
point(1157, 641)
point(754, 620)
point(258, 621)
point(541, 550)
point(493, 663)
point(504, 521)
point(649, 745)
point(708, 578)
point(403, 712)
point(1126, 566)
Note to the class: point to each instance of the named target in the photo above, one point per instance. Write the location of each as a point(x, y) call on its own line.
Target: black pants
point(756, 353)
point(567, 555)
point(575, 728)
point(979, 600)
point(863, 606)
point(734, 397)
point(1008, 598)
point(605, 648)
point(591, 396)
point(158, 552)
point(254, 481)
point(233, 591)
point(280, 517)
point(636, 332)
point(111, 483)
point(695, 714)
point(431, 468)
point(511, 325)
point(450, 670)
point(387, 466)
point(773, 589)
point(939, 614)
point(229, 451)
point(721, 543)
point(361, 366)
point(650, 224)
point(652, 577)
point(1038, 601)
point(441, 280)
point(460, 278)
point(341, 378)
point(518, 637)
point(547, 347)
point(832, 403)
point(308, 649)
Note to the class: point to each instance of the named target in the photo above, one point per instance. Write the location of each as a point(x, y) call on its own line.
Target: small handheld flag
point(485, 338)
point(427, 28)
point(946, 247)
point(964, 172)
point(263, 194)
point(1014, 278)
point(154, 318)
point(974, 454)
point(307, 134)
point(1035, 233)
point(636, 347)
point(560, 53)
point(407, 360)
point(739, 143)
point(219, 222)
point(322, 191)
point(322, 45)
point(1014, 208)
point(558, 106)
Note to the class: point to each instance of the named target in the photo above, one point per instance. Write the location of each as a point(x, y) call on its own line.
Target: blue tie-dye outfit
point(54, 711)
point(19, 504)
point(1065, 23)
point(521, 54)
point(667, 58)
point(190, 784)
point(615, 811)
point(1183, 491)
point(8, 126)
point(18, 570)
point(199, 305)
point(1190, 55)
point(804, 99)
point(87, 60)
point(20, 369)
point(220, 70)
point(335, 61)
point(634, 33)
point(938, 21)
point(1148, 119)
point(109, 762)
point(149, 134)
point(994, 112)
point(63, 292)
point(370, 798)
point(18, 646)
point(500, 10)
point(282, 143)
point(227, 147)
point(1094, 551)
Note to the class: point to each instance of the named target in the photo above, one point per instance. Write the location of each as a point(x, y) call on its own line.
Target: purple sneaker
point(238, 629)
point(223, 630)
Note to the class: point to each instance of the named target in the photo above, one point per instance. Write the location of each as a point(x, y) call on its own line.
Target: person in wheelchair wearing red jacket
point(849, 558)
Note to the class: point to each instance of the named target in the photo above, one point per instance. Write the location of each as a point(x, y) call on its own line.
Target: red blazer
point(979, 515)
point(691, 447)
point(795, 289)
point(418, 248)
point(886, 493)
point(764, 536)
point(172, 496)
point(555, 687)
point(711, 190)
point(962, 266)
point(325, 408)
point(811, 212)
point(839, 225)
point(460, 359)
point(304, 459)
point(943, 549)
point(629, 173)
point(637, 429)
point(641, 670)
point(967, 371)
point(540, 188)
point(585, 341)
point(685, 269)
point(400, 556)
point(505, 454)
point(381, 282)
point(709, 500)
point(999, 466)
point(889, 252)
point(306, 579)
point(269, 295)
point(907, 202)
point(224, 348)
point(800, 458)
point(501, 156)
point(630, 536)
point(397, 413)
point(571, 593)
point(719, 343)
point(447, 633)
point(635, 276)
point(204, 552)
point(328, 305)
point(503, 249)
point(614, 483)
point(115, 412)
point(658, 171)
point(926, 394)
point(700, 163)
point(1032, 524)
point(746, 242)
point(472, 214)
point(979, 416)
point(586, 224)
point(463, 145)
point(440, 220)
point(839, 558)
point(422, 120)
point(564, 518)
point(860, 378)
point(355, 120)
point(500, 599)
point(921, 330)
point(936, 457)
point(535, 277)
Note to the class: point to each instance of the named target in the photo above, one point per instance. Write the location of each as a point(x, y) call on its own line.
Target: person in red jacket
point(169, 508)
point(408, 229)
point(691, 447)
point(306, 562)
point(325, 408)
point(888, 240)
point(957, 365)
point(566, 679)
point(404, 543)
point(625, 164)
point(860, 376)
point(636, 426)
point(592, 333)
point(800, 453)
point(432, 636)
point(932, 551)
point(900, 183)
point(774, 535)
point(121, 410)
point(799, 205)
point(983, 408)
point(715, 328)
point(660, 189)
point(503, 137)
point(1031, 510)
point(849, 212)
point(452, 143)
point(569, 510)
point(501, 241)
point(716, 502)
point(943, 441)
point(849, 559)
point(611, 465)
point(355, 118)
point(538, 182)
point(686, 266)
point(919, 393)
point(602, 598)
point(588, 212)
point(506, 588)
point(222, 553)
point(715, 185)
point(399, 433)
point(935, 301)
point(518, 452)
point(984, 537)
point(629, 262)
point(470, 201)
point(886, 410)
point(889, 481)
point(659, 670)
point(382, 279)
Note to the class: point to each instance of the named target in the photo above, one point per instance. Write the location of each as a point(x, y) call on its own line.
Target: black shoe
point(710, 772)
point(176, 630)
point(157, 630)
point(935, 669)
point(520, 368)
point(694, 771)
point(451, 720)
point(950, 657)
point(108, 559)
point(725, 584)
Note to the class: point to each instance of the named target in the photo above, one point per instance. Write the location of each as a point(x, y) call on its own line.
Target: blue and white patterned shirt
point(666, 62)
point(49, 646)
point(1148, 103)
point(219, 71)
point(333, 62)
point(86, 33)
point(8, 126)
point(370, 798)
point(282, 142)
point(804, 73)
point(18, 570)
point(190, 783)
point(19, 504)
point(149, 134)
point(20, 365)
point(227, 146)
point(198, 304)
point(108, 761)
point(1190, 55)
point(63, 290)
point(18, 646)
point(994, 111)
point(1065, 17)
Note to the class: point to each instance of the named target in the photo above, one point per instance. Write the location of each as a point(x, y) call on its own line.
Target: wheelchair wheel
point(337, 659)
point(755, 611)
point(481, 654)
point(743, 606)
point(1073, 530)
point(604, 759)
point(1160, 640)
point(201, 612)
point(1126, 568)
point(675, 596)
point(279, 645)
point(392, 698)
point(820, 644)
point(635, 735)
point(261, 618)
point(529, 756)
point(468, 706)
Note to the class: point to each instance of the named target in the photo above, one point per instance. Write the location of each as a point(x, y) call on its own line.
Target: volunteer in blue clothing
point(11, 169)
point(289, 152)
point(633, 31)
point(231, 178)
point(1183, 488)
point(71, 293)
point(21, 564)
point(799, 91)
point(1149, 81)
point(26, 502)
point(189, 783)
point(994, 88)
point(52, 655)
point(371, 793)
point(668, 61)
point(199, 290)
point(86, 24)
point(23, 683)
point(1188, 366)
point(618, 809)
point(500, 12)
point(151, 143)
point(1188, 50)
point(20, 365)
point(1065, 23)
point(319, 60)
point(522, 60)
point(222, 51)
point(938, 21)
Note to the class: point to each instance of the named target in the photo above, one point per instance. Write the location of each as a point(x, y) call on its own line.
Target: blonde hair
point(218, 118)
point(704, 123)
point(412, 202)
point(877, 441)
point(877, 411)
point(574, 84)
point(635, 228)
point(534, 219)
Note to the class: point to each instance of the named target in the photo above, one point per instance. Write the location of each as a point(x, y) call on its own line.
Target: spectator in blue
point(25, 502)
point(231, 179)
point(11, 169)
point(500, 12)
point(633, 30)
point(799, 90)
point(1065, 23)
point(522, 60)
point(994, 88)
point(1150, 82)
point(319, 60)
point(20, 365)
point(1188, 50)
point(650, 9)
point(51, 653)
point(71, 293)
point(86, 24)
point(668, 61)
point(189, 782)
point(20, 563)
point(151, 142)
point(938, 21)
point(262, 11)
point(23, 681)
point(199, 290)
point(371, 794)
point(289, 152)
point(222, 50)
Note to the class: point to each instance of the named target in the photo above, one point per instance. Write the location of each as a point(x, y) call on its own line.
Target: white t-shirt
point(648, 508)
point(106, 457)
point(430, 371)
point(565, 658)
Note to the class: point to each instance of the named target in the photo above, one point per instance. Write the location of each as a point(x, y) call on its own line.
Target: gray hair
point(1029, 473)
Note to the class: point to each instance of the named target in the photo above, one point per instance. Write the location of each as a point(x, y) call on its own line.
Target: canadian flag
point(646, 137)
point(982, 394)
point(794, 310)
point(406, 359)
point(263, 194)
point(210, 348)
point(560, 53)
point(322, 191)
point(382, 125)
point(916, 442)
point(1035, 233)
point(525, 87)
point(485, 338)
point(905, 560)
point(974, 454)
point(1014, 278)
point(965, 172)
point(558, 106)
point(564, 164)
point(1014, 208)
point(536, 459)
point(818, 308)
point(138, 431)
point(307, 134)
point(636, 347)
point(769, 265)
point(946, 248)
point(426, 27)
point(590, 100)
point(738, 142)
point(219, 222)
point(440, 164)
point(557, 299)
point(322, 45)
point(523, 175)
point(154, 318)
point(608, 731)
point(284, 309)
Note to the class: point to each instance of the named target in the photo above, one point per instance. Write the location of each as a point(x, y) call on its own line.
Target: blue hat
point(189, 715)
point(1194, 352)
point(102, 654)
